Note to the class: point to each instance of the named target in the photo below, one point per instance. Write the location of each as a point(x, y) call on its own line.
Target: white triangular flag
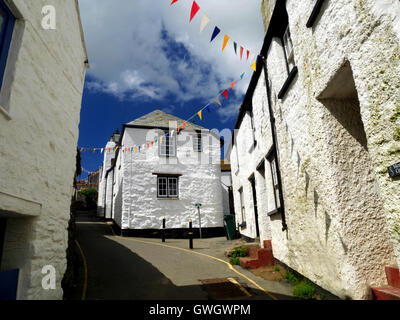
point(204, 22)
point(252, 57)
point(102, 150)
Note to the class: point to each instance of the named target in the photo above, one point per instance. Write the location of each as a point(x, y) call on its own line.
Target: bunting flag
point(248, 52)
point(173, 1)
point(226, 39)
point(241, 52)
point(235, 47)
point(195, 9)
point(208, 107)
point(217, 101)
point(204, 22)
point(254, 66)
point(215, 33)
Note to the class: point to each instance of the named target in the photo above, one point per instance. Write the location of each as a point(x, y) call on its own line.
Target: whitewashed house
point(316, 133)
point(42, 74)
point(165, 179)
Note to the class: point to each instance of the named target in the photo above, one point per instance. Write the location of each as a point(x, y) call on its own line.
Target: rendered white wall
point(42, 92)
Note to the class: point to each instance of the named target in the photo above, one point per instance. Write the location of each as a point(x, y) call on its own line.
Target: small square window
point(167, 187)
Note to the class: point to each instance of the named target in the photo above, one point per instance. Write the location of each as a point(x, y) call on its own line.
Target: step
point(386, 293)
point(253, 252)
point(267, 244)
point(249, 263)
point(266, 257)
point(393, 276)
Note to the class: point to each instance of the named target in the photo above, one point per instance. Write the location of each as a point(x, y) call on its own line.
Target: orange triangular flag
point(233, 84)
point(241, 52)
point(199, 113)
point(226, 39)
point(184, 125)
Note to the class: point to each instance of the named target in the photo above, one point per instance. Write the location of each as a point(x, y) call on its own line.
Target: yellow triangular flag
point(199, 113)
point(254, 65)
point(226, 39)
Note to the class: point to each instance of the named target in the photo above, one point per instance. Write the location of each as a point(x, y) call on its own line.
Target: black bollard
point(190, 235)
point(163, 230)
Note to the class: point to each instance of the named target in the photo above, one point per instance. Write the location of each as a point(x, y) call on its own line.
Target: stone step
point(386, 293)
point(267, 244)
point(393, 276)
point(249, 263)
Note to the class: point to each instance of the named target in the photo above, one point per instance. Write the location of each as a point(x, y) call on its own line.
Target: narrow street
point(132, 268)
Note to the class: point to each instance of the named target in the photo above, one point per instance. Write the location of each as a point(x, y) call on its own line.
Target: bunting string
point(199, 114)
point(216, 31)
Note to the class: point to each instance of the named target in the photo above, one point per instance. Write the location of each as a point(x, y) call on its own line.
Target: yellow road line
point(86, 272)
point(201, 254)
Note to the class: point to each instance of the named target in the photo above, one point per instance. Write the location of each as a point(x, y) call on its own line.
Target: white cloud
point(125, 47)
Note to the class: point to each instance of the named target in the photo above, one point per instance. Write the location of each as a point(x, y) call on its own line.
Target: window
point(242, 207)
point(288, 47)
point(274, 174)
point(197, 143)
point(7, 21)
point(167, 187)
point(168, 146)
point(252, 128)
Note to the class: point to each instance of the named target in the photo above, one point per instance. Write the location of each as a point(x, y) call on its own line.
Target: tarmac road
point(146, 269)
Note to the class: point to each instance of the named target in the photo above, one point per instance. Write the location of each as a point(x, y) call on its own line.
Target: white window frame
point(168, 146)
point(288, 48)
point(197, 143)
point(169, 192)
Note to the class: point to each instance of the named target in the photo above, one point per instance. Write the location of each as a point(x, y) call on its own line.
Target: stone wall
point(337, 131)
point(41, 100)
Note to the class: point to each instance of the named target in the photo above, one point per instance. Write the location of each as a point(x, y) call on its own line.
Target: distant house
point(162, 180)
point(42, 75)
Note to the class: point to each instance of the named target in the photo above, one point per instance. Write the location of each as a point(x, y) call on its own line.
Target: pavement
point(127, 268)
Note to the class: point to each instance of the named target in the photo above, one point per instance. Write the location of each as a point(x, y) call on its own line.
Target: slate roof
point(160, 119)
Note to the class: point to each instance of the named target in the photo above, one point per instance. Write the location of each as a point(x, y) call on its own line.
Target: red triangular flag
point(248, 52)
point(225, 93)
point(173, 1)
point(195, 9)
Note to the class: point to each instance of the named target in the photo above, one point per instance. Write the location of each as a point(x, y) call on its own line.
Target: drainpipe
point(275, 144)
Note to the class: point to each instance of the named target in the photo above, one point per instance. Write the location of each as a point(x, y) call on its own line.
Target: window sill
point(287, 83)
point(5, 113)
point(274, 212)
point(243, 225)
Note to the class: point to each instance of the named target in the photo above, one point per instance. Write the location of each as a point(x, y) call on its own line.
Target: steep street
point(131, 268)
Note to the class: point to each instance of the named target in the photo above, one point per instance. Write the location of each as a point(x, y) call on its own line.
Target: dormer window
point(288, 47)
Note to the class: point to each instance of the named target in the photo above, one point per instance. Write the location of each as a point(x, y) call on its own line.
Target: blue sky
point(145, 56)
